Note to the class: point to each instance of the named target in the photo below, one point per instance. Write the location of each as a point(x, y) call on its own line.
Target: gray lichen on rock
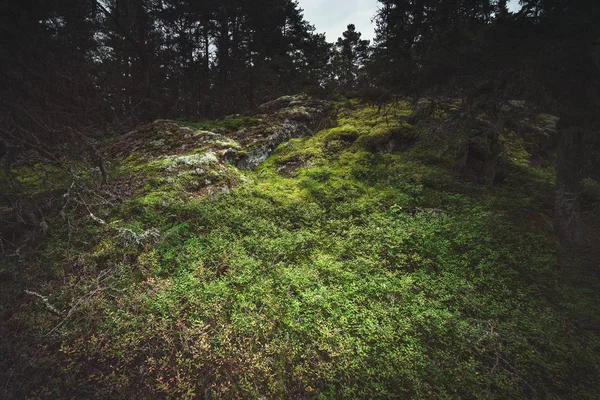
point(158, 143)
point(191, 160)
point(285, 118)
point(278, 134)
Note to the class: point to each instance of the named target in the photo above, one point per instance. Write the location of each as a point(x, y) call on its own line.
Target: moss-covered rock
point(284, 123)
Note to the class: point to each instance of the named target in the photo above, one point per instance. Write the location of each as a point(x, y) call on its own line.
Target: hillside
point(317, 249)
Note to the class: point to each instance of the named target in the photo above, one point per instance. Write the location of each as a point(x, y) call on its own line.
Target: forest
point(207, 199)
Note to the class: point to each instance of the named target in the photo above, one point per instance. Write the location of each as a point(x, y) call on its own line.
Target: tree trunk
point(503, 8)
point(568, 225)
point(223, 55)
point(493, 162)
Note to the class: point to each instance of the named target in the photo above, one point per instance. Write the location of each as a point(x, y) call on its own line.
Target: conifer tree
point(349, 57)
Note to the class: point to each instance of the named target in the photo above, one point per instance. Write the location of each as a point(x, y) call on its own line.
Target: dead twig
point(101, 277)
point(45, 301)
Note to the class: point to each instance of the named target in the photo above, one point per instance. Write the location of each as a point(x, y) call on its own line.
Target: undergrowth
point(344, 267)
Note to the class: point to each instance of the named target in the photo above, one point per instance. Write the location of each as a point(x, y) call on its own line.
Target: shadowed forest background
point(206, 199)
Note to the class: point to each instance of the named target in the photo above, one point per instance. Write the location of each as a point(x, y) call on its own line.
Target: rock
point(254, 158)
point(519, 104)
point(229, 155)
point(216, 139)
point(297, 113)
point(192, 160)
point(220, 191)
point(285, 118)
point(282, 102)
point(158, 143)
point(201, 163)
point(224, 189)
point(261, 151)
point(206, 134)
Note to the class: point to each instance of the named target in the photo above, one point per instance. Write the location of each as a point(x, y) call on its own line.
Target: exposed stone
point(202, 163)
point(192, 160)
point(206, 135)
point(302, 114)
point(289, 117)
point(229, 155)
point(261, 151)
point(282, 102)
point(521, 104)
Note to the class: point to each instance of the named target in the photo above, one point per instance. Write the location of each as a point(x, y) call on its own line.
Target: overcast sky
point(332, 16)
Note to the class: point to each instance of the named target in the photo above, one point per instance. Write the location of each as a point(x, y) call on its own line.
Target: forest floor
point(353, 263)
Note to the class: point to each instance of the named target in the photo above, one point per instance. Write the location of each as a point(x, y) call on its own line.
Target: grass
point(360, 273)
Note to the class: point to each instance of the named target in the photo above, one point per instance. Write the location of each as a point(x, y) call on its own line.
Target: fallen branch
point(72, 310)
point(98, 220)
point(101, 277)
point(45, 300)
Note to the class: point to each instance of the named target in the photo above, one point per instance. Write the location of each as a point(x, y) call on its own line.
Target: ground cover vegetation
point(352, 262)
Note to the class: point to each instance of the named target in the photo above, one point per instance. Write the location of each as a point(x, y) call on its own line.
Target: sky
point(332, 16)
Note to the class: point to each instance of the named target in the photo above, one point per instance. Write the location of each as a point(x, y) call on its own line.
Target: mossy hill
point(315, 250)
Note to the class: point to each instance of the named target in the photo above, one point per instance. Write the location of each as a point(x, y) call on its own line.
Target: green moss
point(591, 189)
point(366, 274)
point(516, 150)
point(40, 179)
point(370, 116)
point(388, 138)
point(346, 133)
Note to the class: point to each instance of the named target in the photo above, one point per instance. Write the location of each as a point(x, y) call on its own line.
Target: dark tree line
point(71, 68)
point(548, 54)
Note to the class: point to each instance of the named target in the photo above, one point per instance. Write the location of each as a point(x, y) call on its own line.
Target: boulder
point(288, 117)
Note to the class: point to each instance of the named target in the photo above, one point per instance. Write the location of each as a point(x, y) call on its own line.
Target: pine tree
point(349, 57)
